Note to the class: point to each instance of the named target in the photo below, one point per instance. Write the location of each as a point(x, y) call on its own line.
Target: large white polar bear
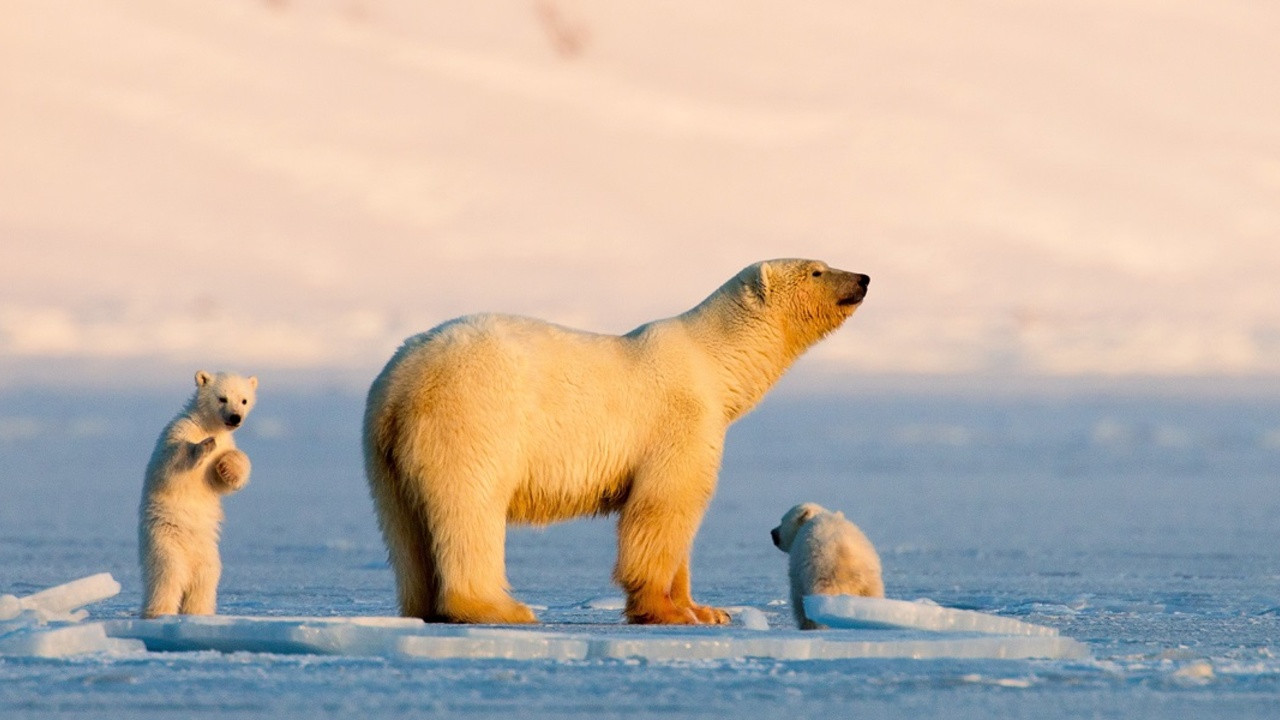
point(491, 419)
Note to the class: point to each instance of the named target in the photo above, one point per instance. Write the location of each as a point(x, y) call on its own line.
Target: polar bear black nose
point(775, 535)
point(233, 419)
point(863, 280)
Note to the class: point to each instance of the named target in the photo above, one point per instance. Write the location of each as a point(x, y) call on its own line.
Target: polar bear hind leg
point(402, 521)
point(201, 597)
point(166, 574)
point(471, 564)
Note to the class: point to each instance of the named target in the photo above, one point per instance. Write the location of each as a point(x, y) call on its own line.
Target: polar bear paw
point(708, 615)
point(650, 608)
point(231, 471)
point(199, 451)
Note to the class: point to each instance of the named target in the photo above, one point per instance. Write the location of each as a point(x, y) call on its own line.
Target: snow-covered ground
point(1141, 524)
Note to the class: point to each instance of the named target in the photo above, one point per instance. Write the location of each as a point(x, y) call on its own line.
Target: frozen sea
point(1145, 523)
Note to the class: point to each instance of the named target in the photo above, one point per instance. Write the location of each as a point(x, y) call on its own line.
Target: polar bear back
point(516, 387)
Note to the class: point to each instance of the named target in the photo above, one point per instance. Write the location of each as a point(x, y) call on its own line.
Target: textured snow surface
point(1142, 527)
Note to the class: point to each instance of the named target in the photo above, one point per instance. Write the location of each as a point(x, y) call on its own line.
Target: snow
point(749, 617)
point(1159, 558)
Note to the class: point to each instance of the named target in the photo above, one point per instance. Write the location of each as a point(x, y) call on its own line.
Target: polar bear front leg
point(651, 544)
point(655, 535)
point(196, 453)
point(230, 471)
point(682, 596)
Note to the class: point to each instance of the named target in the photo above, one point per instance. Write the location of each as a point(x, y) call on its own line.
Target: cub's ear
point(203, 377)
point(253, 381)
point(807, 513)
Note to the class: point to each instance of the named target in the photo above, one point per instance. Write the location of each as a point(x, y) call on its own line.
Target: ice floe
point(847, 611)
point(410, 638)
point(49, 623)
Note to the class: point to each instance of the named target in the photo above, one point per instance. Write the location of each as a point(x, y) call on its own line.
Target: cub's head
point(224, 400)
point(806, 298)
point(796, 517)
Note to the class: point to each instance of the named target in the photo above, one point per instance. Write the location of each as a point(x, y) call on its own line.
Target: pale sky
point(1037, 188)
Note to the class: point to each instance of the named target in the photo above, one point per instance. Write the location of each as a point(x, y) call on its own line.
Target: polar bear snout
point(233, 420)
point(853, 288)
point(777, 537)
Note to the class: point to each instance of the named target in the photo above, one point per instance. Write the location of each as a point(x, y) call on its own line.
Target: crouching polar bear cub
point(491, 419)
point(195, 463)
point(829, 556)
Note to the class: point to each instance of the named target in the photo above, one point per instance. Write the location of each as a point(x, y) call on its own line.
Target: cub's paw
point(231, 471)
point(199, 451)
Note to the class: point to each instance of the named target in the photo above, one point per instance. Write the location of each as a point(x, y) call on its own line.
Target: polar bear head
point(796, 517)
point(806, 299)
point(223, 400)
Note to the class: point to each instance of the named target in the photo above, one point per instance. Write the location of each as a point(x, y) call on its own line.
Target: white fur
point(490, 419)
point(195, 463)
point(829, 556)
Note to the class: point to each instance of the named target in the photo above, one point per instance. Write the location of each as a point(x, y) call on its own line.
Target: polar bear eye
point(817, 273)
point(222, 400)
point(244, 401)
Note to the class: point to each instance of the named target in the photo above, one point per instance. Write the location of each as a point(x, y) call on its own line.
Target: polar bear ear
point(253, 381)
point(807, 512)
point(203, 377)
point(758, 283)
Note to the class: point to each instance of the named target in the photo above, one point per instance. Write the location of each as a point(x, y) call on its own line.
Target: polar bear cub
point(194, 464)
point(829, 556)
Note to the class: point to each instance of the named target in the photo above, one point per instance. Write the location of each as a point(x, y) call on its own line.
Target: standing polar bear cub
point(194, 464)
point(492, 419)
point(829, 556)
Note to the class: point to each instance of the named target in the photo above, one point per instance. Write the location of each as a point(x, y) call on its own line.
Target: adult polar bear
point(490, 419)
